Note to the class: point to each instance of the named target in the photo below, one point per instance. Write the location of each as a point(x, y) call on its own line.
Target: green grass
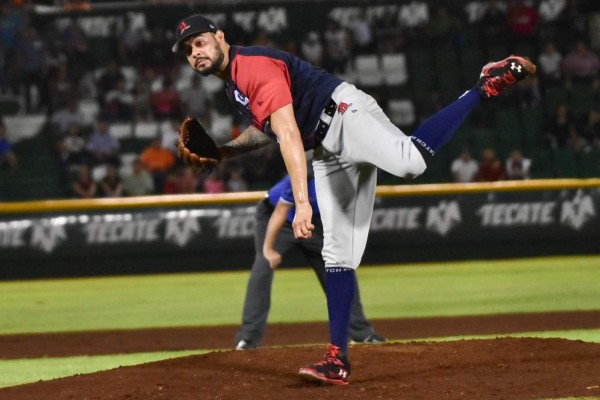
point(16, 372)
point(445, 289)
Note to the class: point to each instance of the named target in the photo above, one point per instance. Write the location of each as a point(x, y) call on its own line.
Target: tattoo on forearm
point(250, 139)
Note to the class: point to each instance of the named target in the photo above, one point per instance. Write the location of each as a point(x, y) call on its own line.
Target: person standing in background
point(273, 237)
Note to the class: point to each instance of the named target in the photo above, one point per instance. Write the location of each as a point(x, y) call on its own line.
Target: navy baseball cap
point(191, 26)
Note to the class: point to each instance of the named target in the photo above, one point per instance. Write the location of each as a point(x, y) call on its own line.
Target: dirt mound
point(222, 337)
point(503, 368)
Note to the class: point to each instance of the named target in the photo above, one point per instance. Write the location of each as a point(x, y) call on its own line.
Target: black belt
point(325, 120)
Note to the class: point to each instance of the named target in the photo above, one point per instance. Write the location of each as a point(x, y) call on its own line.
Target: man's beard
point(216, 63)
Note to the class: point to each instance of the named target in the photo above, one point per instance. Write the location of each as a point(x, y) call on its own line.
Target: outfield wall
point(411, 223)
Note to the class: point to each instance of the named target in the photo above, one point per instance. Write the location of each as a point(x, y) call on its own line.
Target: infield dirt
point(499, 368)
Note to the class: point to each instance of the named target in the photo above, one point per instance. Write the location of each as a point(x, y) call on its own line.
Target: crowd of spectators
point(52, 68)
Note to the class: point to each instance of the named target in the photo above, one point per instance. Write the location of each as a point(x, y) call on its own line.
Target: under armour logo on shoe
point(513, 65)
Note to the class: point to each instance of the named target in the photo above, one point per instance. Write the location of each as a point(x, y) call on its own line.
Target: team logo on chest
point(240, 97)
point(343, 107)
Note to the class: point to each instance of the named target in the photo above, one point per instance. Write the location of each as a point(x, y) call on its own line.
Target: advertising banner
point(212, 237)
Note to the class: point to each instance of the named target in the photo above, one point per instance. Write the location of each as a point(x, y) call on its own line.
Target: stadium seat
point(90, 109)
point(368, 70)
point(121, 130)
point(19, 127)
point(212, 84)
point(145, 130)
point(99, 172)
point(394, 69)
point(401, 112)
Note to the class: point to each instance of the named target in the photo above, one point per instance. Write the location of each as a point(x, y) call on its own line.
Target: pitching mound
point(503, 368)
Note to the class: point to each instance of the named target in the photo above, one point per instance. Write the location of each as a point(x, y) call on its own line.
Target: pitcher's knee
point(410, 166)
point(416, 167)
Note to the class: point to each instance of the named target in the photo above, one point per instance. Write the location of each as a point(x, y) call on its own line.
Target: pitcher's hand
point(302, 224)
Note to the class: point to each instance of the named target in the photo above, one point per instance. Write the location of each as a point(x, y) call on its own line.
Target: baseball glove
point(196, 147)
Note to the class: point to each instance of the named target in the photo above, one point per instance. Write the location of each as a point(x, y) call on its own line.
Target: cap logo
point(182, 27)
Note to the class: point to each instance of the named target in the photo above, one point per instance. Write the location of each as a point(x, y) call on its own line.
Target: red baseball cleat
point(497, 76)
point(334, 370)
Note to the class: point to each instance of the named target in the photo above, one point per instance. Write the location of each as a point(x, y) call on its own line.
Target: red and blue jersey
point(263, 80)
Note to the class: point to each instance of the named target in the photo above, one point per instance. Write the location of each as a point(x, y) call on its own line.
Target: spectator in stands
point(578, 143)
point(84, 186)
point(572, 21)
point(522, 19)
point(11, 23)
point(493, 22)
point(118, 104)
point(77, 50)
point(311, 49)
point(130, 39)
point(559, 128)
point(8, 159)
point(549, 65)
point(170, 183)
point(155, 51)
point(529, 93)
point(166, 102)
point(142, 103)
point(362, 33)
point(195, 100)
point(262, 38)
point(72, 148)
point(71, 114)
point(490, 167)
point(111, 185)
point(31, 61)
point(62, 88)
point(109, 76)
point(518, 167)
point(157, 160)
point(102, 145)
point(214, 182)
point(389, 34)
point(591, 129)
point(187, 181)
point(581, 64)
point(169, 136)
point(465, 167)
point(54, 59)
point(236, 181)
point(337, 48)
point(139, 181)
point(443, 28)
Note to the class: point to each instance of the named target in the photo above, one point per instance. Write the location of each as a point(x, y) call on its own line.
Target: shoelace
point(331, 356)
point(497, 83)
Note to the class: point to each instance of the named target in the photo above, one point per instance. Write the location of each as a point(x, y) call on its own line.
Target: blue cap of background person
point(191, 26)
